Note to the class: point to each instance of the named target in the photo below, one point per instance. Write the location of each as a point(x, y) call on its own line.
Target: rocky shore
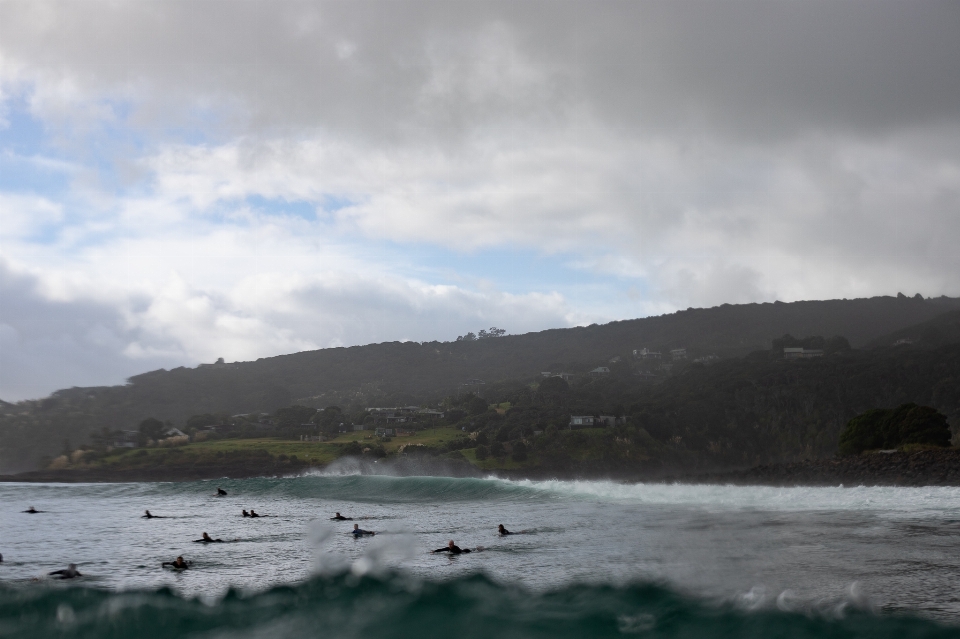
point(921, 468)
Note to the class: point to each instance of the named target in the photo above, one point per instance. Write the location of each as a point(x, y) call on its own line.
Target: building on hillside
point(174, 432)
point(678, 354)
point(614, 360)
point(126, 439)
point(384, 432)
point(564, 376)
point(600, 370)
point(595, 421)
point(643, 353)
point(802, 353)
point(707, 359)
point(219, 364)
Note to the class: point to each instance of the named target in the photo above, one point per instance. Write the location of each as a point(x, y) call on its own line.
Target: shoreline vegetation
point(912, 465)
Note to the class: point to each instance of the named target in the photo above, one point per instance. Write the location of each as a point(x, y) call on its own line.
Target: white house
point(678, 353)
point(802, 353)
point(643, 353)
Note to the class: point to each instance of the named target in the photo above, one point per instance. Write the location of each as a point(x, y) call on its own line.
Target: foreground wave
point(396, 606)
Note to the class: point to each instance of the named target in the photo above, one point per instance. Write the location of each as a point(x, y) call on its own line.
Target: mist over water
point(625, 553)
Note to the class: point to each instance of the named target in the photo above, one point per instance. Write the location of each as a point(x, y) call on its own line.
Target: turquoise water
point(592, 559)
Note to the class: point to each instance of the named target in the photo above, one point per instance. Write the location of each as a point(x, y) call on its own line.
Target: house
point(126, 439)
point(802, 353)
point(678, 354)
point(359, 427)
point(600, 370)
point(218, 364)
point(646, 354)
point(584, 421)
point(174, 432)
point(610, 420)
point(384, 432)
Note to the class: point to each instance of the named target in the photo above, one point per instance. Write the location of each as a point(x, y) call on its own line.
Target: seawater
point(591, 558)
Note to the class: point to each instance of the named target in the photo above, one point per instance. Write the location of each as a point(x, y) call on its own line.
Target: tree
point(482, 452)
point(894, 427)
point(519, 452)
point(292, 417)
point(151, 428)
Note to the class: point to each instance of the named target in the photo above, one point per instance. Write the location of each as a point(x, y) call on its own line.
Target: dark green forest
point(745, 405)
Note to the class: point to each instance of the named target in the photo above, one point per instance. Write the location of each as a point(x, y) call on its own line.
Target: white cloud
point(237, 170)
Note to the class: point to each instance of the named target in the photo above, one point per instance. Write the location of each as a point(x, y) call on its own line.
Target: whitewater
point(590, 558)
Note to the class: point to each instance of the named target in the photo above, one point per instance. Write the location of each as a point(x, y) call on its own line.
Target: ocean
point(589, 559)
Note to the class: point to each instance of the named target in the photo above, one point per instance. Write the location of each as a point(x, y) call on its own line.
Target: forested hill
point(399, 371)
point(394, 373)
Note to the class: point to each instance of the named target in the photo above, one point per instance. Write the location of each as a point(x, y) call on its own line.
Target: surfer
point(360, 532)
point(207, 539)
point(503, 531)
point(253, 513)
point(221, 492)
point(339, 517)
point(68, 573)
point(32, 510)
point(147, 515)
point(246, 514)
point(453, 549)
point(177, 564)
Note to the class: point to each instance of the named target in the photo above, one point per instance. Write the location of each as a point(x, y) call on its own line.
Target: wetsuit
point(253, 514)
point(32, 510)
point(149, 516)
point(504, 531)
point(181, 565)
point(453, 550)
point(207, 540)
point(360, 532)
point(246, 514)
point(341, 518)
point(221, 492)
point(67, 573)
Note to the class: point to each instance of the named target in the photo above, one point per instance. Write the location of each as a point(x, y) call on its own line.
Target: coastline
point(920, 468)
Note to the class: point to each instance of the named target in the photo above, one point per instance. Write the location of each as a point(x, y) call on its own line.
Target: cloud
point(253, 178)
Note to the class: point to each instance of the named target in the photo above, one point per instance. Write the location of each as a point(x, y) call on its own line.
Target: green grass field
point(313, 453)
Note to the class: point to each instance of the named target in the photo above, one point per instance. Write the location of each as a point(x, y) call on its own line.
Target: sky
point(182, 181)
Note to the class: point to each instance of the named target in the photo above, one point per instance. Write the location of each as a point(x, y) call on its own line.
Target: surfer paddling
point(67, 573)
point(360, 532)
point(453, 549)
point(177, 564)
point(207, 539)
point(339, 517)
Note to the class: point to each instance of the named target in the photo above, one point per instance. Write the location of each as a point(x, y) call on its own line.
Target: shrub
point(519, 452)
point(894, 427)
point(482, 452)
point(497, 450)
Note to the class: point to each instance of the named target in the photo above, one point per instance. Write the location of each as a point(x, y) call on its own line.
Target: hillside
point(394, 373)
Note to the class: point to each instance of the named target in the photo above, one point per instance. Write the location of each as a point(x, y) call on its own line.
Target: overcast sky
point(181, 181)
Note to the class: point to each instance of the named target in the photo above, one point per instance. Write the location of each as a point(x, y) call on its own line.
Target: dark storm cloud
point(739, 67)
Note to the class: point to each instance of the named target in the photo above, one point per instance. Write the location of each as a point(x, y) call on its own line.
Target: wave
point(397, 606)
point(354, 486)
